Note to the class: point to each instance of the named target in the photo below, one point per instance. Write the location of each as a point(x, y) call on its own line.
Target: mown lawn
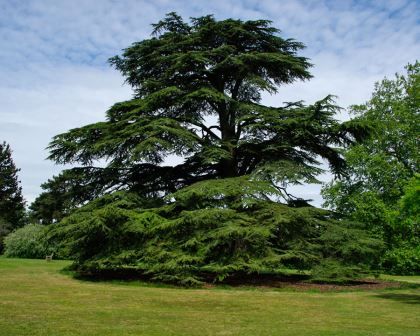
point(36, 299)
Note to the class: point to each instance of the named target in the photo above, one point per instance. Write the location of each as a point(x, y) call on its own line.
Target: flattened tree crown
point(225, 57)
point(197, 95)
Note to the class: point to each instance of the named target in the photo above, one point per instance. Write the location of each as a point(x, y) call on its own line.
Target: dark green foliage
point(5, 229)
point(198, 96)
point(28, 242)
point(208, 232)
point(380, 168)
point(402, 260)
point(12, 205)
point(212, 69)
point(68, 190)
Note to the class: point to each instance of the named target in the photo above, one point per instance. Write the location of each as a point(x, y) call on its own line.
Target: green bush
point(27, 242)
point(402, 260)
point(404, 255)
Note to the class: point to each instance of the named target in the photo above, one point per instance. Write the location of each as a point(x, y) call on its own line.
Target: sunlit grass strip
point(36, 299)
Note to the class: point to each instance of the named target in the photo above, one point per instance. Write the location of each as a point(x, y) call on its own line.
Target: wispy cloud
point(54, 73)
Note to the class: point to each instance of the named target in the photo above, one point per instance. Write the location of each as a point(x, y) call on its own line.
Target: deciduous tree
point(380, 168)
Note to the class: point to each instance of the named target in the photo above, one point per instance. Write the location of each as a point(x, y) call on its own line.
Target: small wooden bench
point(49, 257)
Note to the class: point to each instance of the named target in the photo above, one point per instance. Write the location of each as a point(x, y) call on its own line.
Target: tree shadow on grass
point(404, 298)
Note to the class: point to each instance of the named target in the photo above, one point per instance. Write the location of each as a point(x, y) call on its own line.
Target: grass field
point(37, 299)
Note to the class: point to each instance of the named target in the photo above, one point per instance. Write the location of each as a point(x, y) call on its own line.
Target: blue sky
point(54, 72)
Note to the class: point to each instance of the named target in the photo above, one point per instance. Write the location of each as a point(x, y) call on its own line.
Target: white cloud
point(54, 73)
point(32, 116)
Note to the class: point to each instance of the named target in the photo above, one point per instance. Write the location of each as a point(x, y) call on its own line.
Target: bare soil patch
point(302, 283)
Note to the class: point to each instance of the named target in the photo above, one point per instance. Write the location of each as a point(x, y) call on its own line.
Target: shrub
point(402, 260)
point(404, 255)
point(27, 242)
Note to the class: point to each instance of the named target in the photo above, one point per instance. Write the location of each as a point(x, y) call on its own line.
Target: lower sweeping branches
point(211, 231)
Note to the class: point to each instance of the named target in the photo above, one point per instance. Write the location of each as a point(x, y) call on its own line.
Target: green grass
point(37, 299)
point(406, 278)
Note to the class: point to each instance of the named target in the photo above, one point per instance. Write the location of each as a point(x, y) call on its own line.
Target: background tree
point(12, 205)
point(71, 189)
point(403, 255)
point(198, 96)
point(380, 168)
